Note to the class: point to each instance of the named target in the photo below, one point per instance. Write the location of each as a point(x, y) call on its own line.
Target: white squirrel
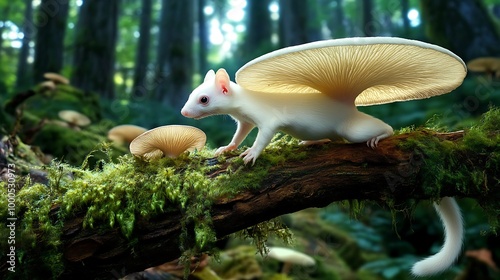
point(300, 115)
point(322, 113)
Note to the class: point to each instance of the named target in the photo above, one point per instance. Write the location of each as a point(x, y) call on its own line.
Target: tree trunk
point(336, 20)
point(462, 26)
point(203, 38)
point(5, 14)
point(298, 22)
point(405, 7)
point(368, 24)
point(52, 19)
point(94, 54)
point(259, 30)
point(23, 80)
point(292, 22)
point(175, 55)
point(336, 172)
point(141, 88)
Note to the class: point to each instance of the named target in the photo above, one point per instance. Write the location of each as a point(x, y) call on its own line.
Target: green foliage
point(366, 237)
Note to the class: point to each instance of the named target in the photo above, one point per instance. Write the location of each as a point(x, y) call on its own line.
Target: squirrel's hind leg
point(365, 128)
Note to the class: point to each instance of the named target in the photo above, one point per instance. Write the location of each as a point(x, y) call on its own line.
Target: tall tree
point(463, 26)
point(142, 56)
point(22, 75)
point(259, 29)
point(292, 22)
point(4, 12)
point(298, 22)
point(203, 37)
point(336, 20)
point(368, 23)
point(405, 7)
point(51, 25)
point(175, 53)
point(94, 52)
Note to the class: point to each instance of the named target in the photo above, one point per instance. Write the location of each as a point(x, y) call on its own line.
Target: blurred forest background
point(136, 62)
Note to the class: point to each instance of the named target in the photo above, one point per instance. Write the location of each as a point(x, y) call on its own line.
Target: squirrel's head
point(212, 97)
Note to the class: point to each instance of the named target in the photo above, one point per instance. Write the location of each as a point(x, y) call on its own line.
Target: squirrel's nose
point(184, 112)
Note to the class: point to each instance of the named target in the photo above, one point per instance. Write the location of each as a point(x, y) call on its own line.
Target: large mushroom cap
point(74, 118)
point(168, 140)
point(125, 133)
point(366, 71)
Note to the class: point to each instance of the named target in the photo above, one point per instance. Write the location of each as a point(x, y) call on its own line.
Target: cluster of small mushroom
point(53, 79)
point(164, 141)
point(71, 119)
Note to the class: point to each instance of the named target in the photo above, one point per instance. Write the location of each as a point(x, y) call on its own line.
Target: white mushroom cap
point(168, 140)
point(125, 133)
point(56, 78)
point(74, 118)
point(366, 71)
point(290, 256)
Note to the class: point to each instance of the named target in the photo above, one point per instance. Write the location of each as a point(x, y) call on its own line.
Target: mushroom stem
point(287, 266)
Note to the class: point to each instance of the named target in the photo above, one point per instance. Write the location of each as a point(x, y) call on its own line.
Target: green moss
point(37, 239)
point(260, 233)
point(449, 163)
point(73, 146)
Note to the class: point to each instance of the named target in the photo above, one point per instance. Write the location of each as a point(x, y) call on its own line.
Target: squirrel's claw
point(223, 149)
point(249, 156)
point(372, 143)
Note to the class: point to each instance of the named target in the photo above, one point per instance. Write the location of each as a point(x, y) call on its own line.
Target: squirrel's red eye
point(204, 100)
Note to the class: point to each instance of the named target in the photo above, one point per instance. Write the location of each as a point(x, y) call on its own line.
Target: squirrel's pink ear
point(209, 76)
point(222, 80)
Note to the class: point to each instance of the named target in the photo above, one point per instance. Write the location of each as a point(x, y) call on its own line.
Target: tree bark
point(141, 88)
point(329, 173)
point(94, 54)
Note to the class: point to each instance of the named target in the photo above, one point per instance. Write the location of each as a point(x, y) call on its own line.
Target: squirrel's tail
point(449, 212)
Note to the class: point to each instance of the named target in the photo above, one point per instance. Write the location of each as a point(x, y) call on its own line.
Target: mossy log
point(329, 173)
point(129, 215)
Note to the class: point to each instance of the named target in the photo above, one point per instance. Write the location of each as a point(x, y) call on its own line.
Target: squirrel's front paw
point(249, 156)
point(223, 149)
